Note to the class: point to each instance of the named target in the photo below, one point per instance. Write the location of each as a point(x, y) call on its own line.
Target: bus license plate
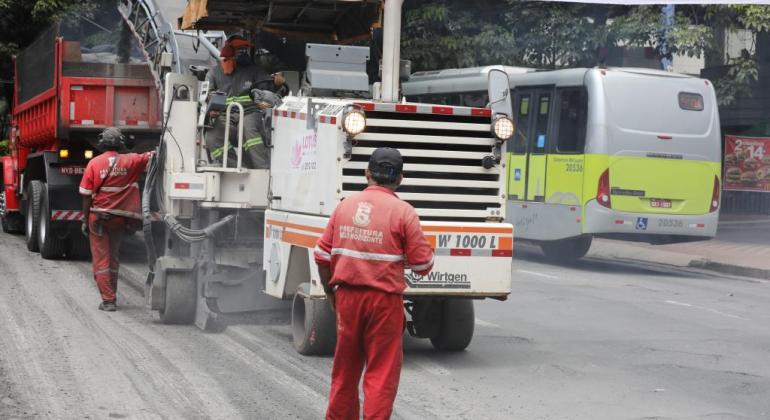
point(660, 204)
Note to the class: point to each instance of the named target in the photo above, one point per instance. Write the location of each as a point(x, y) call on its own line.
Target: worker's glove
point(84, 228)
point(265, 98)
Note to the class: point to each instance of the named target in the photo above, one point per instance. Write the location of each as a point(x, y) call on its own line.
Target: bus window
point(522, 124)
point(571, 129)
point(541, 124)
point(475, 99)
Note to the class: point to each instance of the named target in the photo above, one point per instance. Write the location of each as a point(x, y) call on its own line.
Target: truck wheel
point(566, 250)
point(314, 325)
point(180, 298)
point(51, 245)
point(10, 222)
point(79, 247)
point(457, 323)
point(34, 196)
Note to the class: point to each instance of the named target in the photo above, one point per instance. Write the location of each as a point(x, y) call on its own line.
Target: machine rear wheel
point(314, 325)
point(180, 298)
point(34, 196)
point(51, 245)
point(458, 321)
point(567, 249)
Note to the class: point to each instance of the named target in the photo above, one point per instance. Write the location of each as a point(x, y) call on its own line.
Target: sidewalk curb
point(736, 270)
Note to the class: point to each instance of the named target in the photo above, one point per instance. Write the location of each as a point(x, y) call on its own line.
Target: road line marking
point(673, 302)
point(482, 323)
point(535, 273)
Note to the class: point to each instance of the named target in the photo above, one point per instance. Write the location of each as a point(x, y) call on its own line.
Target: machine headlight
point(354, 121)
point(502, 128)
point(88, 154)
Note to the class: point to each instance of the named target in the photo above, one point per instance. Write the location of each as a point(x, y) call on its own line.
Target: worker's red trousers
point(370, 324)
point(105, 237)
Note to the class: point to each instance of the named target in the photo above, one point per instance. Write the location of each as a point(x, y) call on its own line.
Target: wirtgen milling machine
point(238, 239)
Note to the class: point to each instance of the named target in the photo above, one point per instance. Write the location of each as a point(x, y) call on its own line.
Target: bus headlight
point(354, 121)
point(502, 128)
point(88, 154)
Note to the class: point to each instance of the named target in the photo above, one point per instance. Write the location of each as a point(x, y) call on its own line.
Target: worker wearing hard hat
point(237, 77)
point(370, 238)
point(111, 204)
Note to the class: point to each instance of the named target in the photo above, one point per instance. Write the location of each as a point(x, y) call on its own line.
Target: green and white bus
point(623, 153)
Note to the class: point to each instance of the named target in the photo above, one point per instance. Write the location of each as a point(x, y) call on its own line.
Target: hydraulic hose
point(195, 235)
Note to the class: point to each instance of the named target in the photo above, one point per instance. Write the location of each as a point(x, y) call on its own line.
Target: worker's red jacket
point(118, 194)
point(370, 238)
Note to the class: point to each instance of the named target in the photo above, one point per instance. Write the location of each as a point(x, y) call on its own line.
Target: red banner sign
point(747, 164)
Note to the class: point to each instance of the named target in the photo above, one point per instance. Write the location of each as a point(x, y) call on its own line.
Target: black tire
point(10, 222)
point(458, 321)
point(32, 218)
point(51, 245)
point(567, 250)
point(78, 247)
point(180, 298)
point(314, 326)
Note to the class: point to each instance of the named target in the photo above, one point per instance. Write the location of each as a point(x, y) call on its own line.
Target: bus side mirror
point(499, 91)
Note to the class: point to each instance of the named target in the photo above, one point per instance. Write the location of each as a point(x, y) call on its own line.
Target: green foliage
point(22, 20)
point(452, 33)
point(4, 147)
point(448, 33)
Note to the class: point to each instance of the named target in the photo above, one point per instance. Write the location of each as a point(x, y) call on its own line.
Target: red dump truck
point(63, 98)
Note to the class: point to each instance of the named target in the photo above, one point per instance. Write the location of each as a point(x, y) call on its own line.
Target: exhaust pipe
point(391, 50)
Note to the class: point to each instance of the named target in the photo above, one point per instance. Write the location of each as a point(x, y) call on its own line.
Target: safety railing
point(226, 146)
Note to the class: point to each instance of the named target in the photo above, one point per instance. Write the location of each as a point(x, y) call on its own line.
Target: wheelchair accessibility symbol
point(641, 223)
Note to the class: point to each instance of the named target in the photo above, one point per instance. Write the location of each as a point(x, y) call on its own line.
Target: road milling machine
point(238, 239)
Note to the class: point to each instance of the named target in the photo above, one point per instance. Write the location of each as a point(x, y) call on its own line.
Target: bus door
point(527, 161)
point(566, 157)
point(537, 146)
point(517, 158)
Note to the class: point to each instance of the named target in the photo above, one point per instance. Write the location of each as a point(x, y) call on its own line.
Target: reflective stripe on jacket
point(370, 238)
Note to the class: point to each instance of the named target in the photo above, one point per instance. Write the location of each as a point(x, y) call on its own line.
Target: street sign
point(747, 164)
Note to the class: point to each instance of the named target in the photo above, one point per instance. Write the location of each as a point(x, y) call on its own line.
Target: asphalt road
point(596, 340)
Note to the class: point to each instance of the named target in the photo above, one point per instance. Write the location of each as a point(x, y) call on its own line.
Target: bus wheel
point(313, 324)
point(51, 245)
point(34, 196)
point(567, 249)
point(457, 323)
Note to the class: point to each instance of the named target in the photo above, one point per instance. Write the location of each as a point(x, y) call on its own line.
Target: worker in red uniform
point(370, 239)
point(111, 203)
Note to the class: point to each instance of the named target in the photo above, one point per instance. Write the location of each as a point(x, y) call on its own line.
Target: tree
point(455, 33)
point(21, 21)
point(452, 33)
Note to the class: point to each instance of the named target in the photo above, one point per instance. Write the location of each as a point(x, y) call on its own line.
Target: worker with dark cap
point(111, 204)
point(237, 77)
point(370, 239)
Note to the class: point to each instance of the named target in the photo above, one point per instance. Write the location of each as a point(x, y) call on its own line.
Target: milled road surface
point(594, 340)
